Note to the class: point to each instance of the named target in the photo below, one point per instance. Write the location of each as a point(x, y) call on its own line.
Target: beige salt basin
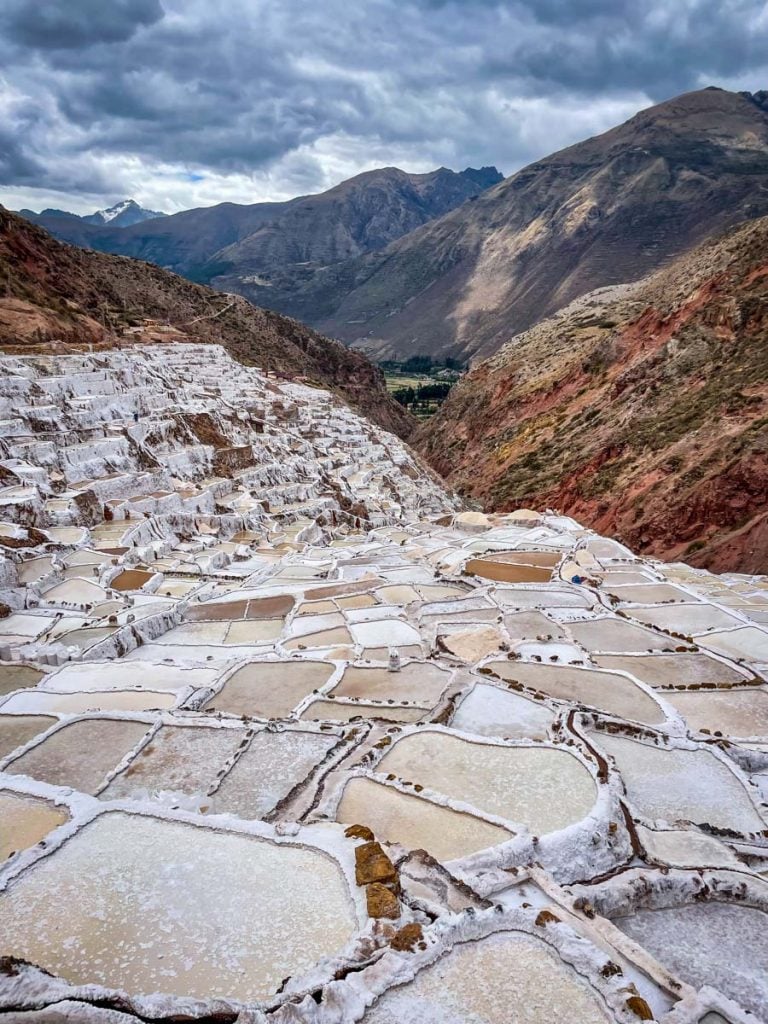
point(18, 730)
point(269, 689)
point(17, 677)
point(684, 618)
point(271, 767)
point(416, 681)
point(337, 711)
point(544, 788)
point(81, 753)
point(25, 821)
point(131, 579)
point(733, 712)
point(507, 572)
point(606, 691)
point(42, 701)
point(507, 978)
point(674, 669)
point(669, 784)
point(236, 921)
point(608, 634)
point(414, 822)
point(178, 758)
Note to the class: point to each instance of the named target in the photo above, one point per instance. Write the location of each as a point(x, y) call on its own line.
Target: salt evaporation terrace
point(287, 735)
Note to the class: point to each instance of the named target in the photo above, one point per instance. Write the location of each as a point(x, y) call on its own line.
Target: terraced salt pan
point(25, 821)
point(681, 785)
point(20, 628)
point(123, 916)
point(264, 689)
point(507, 978)
point(713, 944)
point(385, 633)
point(269, 769)
point(490, 711)
point(652, 593)
point(606, 691)
point(17, 730)
point(81, 753)
point(530, 625)
point(177, 759)
point(673, 669)
point(686, 849)
point(17, 677)
point(616, 635)
point(121, 674)
point(506, 572)
point(749, 642)
point(39, 701)
point(544, 788)
point(415, 823)
point(734, 713)
point(551, 597)
point(416, 681)
point(325, 638)
point(684, 618)
point(339, 711)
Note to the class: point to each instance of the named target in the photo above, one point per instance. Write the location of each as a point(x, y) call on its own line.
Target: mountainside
point(233, 243)
point(53, 293)
point(642, 410)
point(608, 210)
point(290, 257)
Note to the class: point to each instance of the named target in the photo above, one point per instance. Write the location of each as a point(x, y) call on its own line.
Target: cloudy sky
point(182, 103)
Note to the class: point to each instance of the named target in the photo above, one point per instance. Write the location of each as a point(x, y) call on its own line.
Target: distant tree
point(405, 396)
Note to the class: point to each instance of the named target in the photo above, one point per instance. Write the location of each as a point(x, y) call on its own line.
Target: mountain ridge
point(603, 211)
point(354, 216)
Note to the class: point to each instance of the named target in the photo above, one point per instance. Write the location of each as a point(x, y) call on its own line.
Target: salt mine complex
point(289, 734)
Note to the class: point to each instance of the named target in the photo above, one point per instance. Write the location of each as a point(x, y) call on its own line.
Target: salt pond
point(541, 787)
point(415, 822)
point(681, 785)
point(709, 944)
point(123, 916)
point(507, 978)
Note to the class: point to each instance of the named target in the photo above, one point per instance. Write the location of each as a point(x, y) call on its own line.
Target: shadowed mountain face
point(54, 293)
point(642, 410)
point(608, 210)
point(269, 249)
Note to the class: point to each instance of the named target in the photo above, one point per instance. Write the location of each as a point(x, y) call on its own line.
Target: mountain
point(608, 210)
point(56, 297)
point(121, 215)
point(641, 410)
point(243, 248)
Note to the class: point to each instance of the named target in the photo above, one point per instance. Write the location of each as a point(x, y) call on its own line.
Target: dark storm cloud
point(53, 24)
point(250, 85)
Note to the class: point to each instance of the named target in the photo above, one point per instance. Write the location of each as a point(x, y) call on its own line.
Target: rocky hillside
point(267, 251)
point(608, 210)
point(642, 411)
point(55, 296)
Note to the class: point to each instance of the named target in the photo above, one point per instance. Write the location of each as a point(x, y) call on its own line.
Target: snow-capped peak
point(116, 210)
